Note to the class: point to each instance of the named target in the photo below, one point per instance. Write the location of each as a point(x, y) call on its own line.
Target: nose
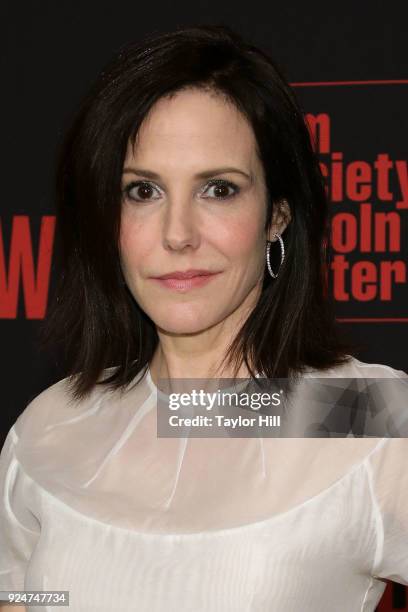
point(180, 228)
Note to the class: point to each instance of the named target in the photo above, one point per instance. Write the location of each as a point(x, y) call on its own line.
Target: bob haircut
point(93, 315)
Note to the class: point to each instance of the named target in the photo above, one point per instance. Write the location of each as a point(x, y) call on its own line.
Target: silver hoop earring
point(268, 248)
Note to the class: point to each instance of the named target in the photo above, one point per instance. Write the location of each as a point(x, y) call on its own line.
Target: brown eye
point(222, 189)
point(139, 191)
point(144, 191)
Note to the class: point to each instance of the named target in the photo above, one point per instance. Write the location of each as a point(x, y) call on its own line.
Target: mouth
point(186, 281)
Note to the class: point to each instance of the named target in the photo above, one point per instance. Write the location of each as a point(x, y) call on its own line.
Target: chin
point(183, 323)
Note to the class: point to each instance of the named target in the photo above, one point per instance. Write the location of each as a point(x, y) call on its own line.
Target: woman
point(190, 159)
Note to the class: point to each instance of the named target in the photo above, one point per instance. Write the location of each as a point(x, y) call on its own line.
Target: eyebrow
point(200, 175)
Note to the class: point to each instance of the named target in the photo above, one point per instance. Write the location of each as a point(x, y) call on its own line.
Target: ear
point(281, 218)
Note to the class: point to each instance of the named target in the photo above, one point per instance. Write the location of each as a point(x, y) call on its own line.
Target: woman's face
point(173, 219)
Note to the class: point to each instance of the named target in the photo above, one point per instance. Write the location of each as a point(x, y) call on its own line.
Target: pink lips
point(183, 281)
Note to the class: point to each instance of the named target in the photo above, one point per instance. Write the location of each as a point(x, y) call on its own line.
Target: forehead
point(195, 124)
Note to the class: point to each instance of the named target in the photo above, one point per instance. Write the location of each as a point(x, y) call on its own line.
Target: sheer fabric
point(93, 502)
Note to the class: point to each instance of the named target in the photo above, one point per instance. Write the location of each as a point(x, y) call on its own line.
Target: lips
point(186, 281)
point(178, 275)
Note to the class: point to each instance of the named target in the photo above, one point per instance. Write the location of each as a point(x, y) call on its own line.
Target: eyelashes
point(214, 183)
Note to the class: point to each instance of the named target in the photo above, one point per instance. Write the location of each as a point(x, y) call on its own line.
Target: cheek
point(244, 245)
point(242, 240)
point(127, 239)
point(133, 241)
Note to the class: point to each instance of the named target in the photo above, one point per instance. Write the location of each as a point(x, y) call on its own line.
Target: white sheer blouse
point(94, 503)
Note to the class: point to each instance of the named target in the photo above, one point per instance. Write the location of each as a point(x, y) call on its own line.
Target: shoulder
point(375, 370)
point(55, 403)
point(355, 368)
point(371, 398)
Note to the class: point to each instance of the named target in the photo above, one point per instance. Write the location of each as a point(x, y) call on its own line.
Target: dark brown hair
point(94, 317)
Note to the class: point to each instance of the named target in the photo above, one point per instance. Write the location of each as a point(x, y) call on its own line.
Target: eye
point(221, 188)
point(143, 188)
